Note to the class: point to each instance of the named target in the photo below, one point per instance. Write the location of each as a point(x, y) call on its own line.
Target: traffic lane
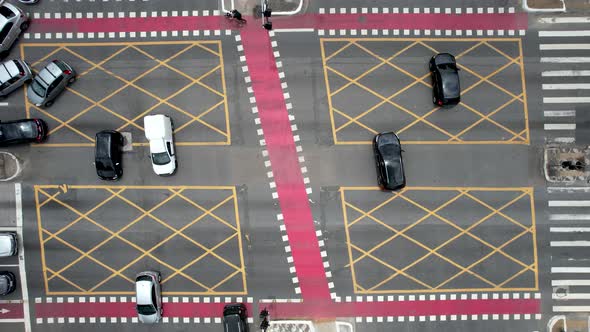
point(429, 165)
point(16, 327)
point(452, 326)
point(61, 6)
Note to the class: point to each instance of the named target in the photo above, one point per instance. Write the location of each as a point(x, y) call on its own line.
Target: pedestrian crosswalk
point(565, 74)
point(569, 239)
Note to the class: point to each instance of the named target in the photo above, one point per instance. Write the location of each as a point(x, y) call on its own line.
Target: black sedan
point(446, 90)
point(7, 282)
point(108, 154)
point(22, 131)
point(389, 162)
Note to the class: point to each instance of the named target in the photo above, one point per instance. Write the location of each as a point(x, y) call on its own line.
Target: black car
point(389, 162)
point(234, 318)
point(7, 282)
point(108, 154)
point(446, 90)
point(22, 131)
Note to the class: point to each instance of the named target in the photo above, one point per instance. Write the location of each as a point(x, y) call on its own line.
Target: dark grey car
point(7, 282)
point(234, 318)
point(388, 159)
point(50, 82)
point(446, 89)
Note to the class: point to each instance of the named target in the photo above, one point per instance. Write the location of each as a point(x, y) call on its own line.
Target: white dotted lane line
point(131, 34)
point(124, 299)
point(436, 10)
point(419, 32)
point(79, 15)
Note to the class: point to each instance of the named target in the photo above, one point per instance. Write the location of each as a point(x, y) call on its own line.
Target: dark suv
point(108, 154)
point(234, 318)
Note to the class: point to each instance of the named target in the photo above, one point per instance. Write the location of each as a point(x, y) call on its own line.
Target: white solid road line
point(562, 73)
point(565, 100)
point(564, 20)
point(567, 86)
point(559, 113)
point(570, 282)
point(569, 229)
point(564, 139)
point(569, 243)
point(565, 33)
point(569, 217)
point(566, 59)
point(560, 47)
point(8, 265)
point(551, 190)
point(571, 308)
point(560, 126)
point(569, 203)
point(21, 256)
point(295, 30)
point(570, 296)
point(572, 269)
point(3, 103)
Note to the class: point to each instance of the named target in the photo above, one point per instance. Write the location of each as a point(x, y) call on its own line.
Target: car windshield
point(146, 309)
point(395, 171)
point(161, 158)
point(38, 88)
point(105, 167)
point(6, 12)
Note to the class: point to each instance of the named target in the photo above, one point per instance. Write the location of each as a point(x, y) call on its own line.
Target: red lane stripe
point(515, 21)
point(127, 309)
point(15, 311)
point(293, 200)
point(325, 310)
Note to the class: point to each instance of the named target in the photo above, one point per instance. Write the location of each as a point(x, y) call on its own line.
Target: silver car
point(8, 244)
point(13, 74)
point(148, 294)
point(13, 21)
point(50, 82)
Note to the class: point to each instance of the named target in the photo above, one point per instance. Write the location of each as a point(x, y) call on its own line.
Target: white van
point(158, 130)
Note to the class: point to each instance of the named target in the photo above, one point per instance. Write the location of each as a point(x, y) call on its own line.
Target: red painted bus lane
point(516, 21)
point(11, 311)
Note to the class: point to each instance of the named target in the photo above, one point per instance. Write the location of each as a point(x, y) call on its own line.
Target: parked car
point(446, 89)
point(12, 22)
point(8, 244)
point(13, 74)
point(50, 82)
point(108, 154)
point(148, 294)
point(22, 131)
point(234, 318)
point(388, 159)
point(7, 282)
point(158, 130)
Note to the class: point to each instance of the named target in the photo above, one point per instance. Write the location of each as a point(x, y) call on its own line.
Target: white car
point(148, 294)
point(8, 244)
point(158, 130)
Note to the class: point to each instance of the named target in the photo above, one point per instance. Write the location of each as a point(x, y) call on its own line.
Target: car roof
point(143, 290)
point(450, 83)
point(9, 130)
point(104, 144)
point(50, 73)
point(155, 126)
point(8, 70)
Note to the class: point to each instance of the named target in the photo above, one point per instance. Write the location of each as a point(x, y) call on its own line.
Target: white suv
point(158, 130)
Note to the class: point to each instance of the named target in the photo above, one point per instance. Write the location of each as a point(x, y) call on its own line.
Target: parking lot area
point(383, 84)
point(437, 239)
point(120, 83)
point(106, 234)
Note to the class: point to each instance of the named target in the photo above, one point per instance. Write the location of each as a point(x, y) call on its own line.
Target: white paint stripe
point(559, 113)
point(569, 217)
point(560, 126)
point(565, 100)
point(567, 86)
point(569, 243)
point(559, 47)
point(571, 308)
point(570, 296)
point(8, 265)
point(569, 229)
point(569, 203)
point(564, 139)
point(564, 20)
point(21, 255)
point(3, 103)
point(295, 30)
point(572, 269)
point(13, 320)
point(566, 59)
point(7, 229)
point(570, 282)
point(566, 33)
point(568, 189)
point(562, 73)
